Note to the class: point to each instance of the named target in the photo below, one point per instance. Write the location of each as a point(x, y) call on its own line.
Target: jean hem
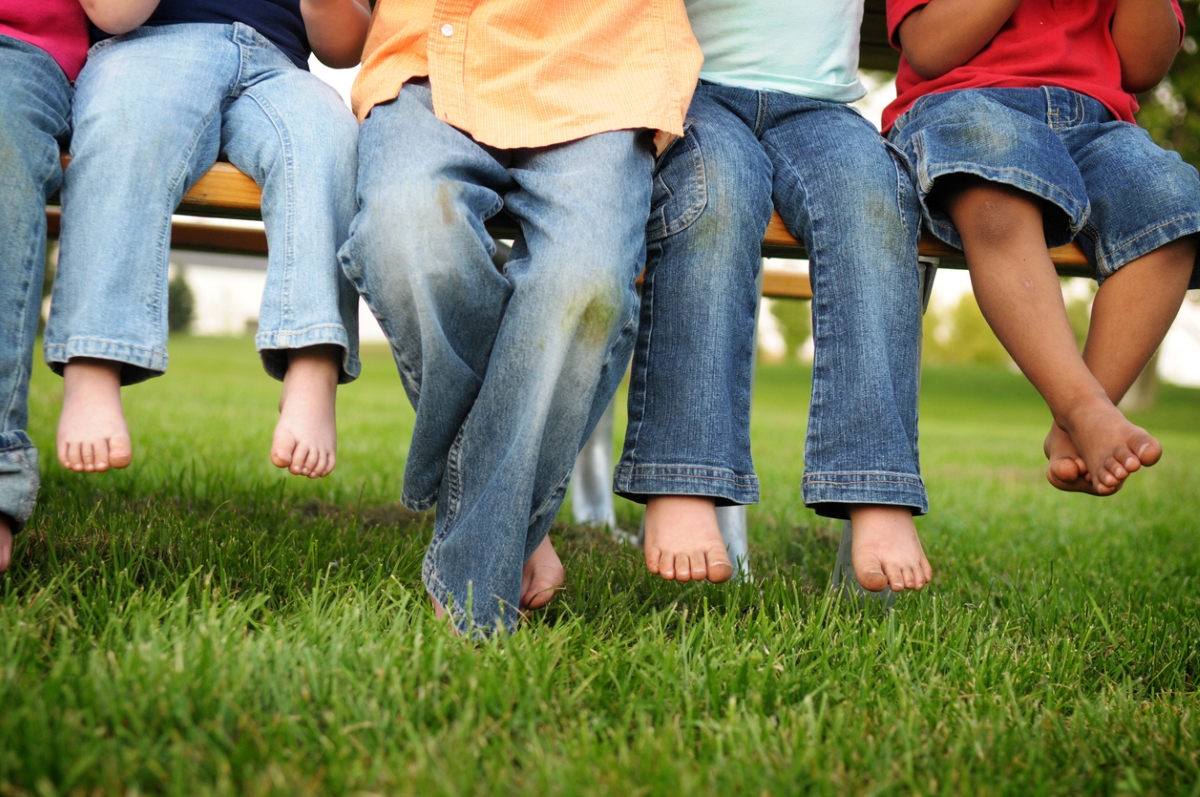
point(832, 494)
point(1110, 260)
point(138, 364)
point(641, 482)
point(272, 346)
point(19, 479)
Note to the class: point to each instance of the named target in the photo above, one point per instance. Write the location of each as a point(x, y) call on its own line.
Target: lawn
point(202, 624)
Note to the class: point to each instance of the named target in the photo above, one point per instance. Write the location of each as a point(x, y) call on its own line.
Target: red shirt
point(1064, 43)
point(57, 26)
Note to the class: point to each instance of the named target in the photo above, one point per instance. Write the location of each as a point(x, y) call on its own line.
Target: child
point(1017, 116)
point(769, 124)
point(544, 110)
point(179, 83)
point(42, 48)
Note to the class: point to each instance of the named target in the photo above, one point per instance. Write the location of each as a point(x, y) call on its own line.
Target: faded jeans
point(847, 194)
point(35, 107)
point(153, 110)
point(508, 371)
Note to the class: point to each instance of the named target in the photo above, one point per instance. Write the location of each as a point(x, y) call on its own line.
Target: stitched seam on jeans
point(1103, 258)
point(289, 206)
point(636, 471)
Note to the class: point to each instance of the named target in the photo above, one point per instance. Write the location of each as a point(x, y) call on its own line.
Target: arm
point(337, 29)
point(944, 34)
point(118, 16)
point(1146, 33)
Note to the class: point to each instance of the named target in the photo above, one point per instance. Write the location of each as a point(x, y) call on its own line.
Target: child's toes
point(718, 568)
point(1148, 450)
point(870, 575)
point(653, 559)
point(683, 568)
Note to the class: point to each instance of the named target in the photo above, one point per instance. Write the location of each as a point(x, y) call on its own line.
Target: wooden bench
point(224, 192)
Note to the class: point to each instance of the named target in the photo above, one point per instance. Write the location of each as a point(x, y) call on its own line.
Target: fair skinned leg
point(305, 440)
point(683, 541)
point(92, 433)
point(1152, 289)
point(6, 543)
point(887, 551)
point(1018, 291)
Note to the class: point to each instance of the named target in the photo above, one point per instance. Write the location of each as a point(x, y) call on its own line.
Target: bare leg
point(1019, 294)
point(683, 540)
point(305, 440)
point(92, 433)
point(1149, 289)
point(6, 543)
point(541, 577)
point(887, 551)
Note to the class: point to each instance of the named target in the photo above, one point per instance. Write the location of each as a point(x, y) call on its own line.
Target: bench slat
point(228, 193)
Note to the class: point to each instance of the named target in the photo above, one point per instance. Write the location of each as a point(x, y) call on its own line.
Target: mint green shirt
point(805, 47)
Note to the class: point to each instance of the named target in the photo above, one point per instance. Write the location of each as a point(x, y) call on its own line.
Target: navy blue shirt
point(278, 20)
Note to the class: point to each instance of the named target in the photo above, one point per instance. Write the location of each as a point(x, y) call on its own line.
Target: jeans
point(843, 190)
point(1103, 182)
point(35, 108)
point(153, 110)
point(508, 371)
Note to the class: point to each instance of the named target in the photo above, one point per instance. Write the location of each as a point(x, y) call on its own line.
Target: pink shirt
point(57, 26)
point(1065, 43)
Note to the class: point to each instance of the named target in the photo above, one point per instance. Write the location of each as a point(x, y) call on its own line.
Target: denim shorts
point(1105, 182)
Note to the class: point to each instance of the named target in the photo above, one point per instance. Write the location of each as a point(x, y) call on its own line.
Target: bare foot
point(440, 614)
point(92, 434)
point(6, 543)
point(683, 540)
point(541, 577)
point(1066, 469)
point(886, 551)
point(1111, 447)
point(305, 440)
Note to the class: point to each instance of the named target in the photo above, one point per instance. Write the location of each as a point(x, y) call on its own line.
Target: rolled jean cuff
point(642, 482)
point(137, 364)
point(832, 494)
point(274, 346)
point(18, 477)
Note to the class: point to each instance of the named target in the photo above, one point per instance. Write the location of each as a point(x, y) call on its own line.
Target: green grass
point(201, 624)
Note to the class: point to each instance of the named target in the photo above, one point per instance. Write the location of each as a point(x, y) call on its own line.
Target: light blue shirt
point(805, 47)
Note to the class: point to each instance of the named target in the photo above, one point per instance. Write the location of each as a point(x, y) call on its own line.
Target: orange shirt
point(530, 73)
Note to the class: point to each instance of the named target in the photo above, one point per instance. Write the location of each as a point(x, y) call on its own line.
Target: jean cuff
point(832, 494)
point(18, 477)
point(274, 346)
point(137, 364)
point(642, 482)
point(462, 614)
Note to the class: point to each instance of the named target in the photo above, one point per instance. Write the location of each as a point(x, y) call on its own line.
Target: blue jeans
point(508, 372)
point(843, 190)
point(153, 110)
point(35, 108)
point(1104, 182)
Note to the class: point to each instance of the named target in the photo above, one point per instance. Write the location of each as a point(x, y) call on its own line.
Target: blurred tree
point(181, 303)
point(795, 322)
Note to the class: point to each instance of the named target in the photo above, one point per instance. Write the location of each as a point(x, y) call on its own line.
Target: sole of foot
point(305, 438)
point(1111, 447)
point(886, 550)
point(542, 577)
point(92, 433)
point(683, 541)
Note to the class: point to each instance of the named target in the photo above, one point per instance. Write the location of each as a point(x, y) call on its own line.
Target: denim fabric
point(153, 109)
point(842, 190)
point(35, 108)
point(508, 372)
point(1104, 180)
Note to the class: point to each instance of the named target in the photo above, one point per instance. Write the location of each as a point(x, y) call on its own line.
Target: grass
point(201, 624)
